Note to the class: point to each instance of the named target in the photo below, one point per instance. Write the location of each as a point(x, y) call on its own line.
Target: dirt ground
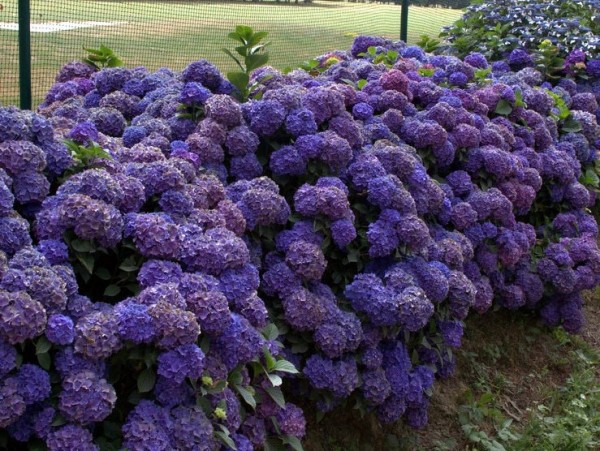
point(507, 353)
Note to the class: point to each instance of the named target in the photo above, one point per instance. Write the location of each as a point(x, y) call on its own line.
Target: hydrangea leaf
point(146, 380)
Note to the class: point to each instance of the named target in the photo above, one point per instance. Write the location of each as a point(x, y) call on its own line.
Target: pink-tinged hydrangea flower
point(306, 260)
point(263, 207)
point(161, 292)
point(241, 140)
point(96, 335)
point(414, 309)
point(174, 326)
point(90, 219)
point(20, 156)
point(159, 271)
point(253, 309)
point(214, 251)
point(155, 235)
point(303, 309)
point(21, 317)
point(211, 309)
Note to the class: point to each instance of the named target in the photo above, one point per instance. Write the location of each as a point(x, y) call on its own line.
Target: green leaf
point(258, 36)
point(294, 442)
point(235, 37)
point(275, 380)
point(277, 395)
point(503, 108)
point(226, 439)
point(59, 420)
point(232, 56)
point(274, 444)
point(242, 50)
point(247, 395)
point(285, 367)
point(112, 290)
point(217, 388)
point(270, 332)
point(353, 256)
point(299, 348)
point(102, 273)
point(82, 246)
point(128, 268)
point(591, 178)
point(269, 360)
point(256, 61)
point(87, 260)
point(244, 32)
point(44, 360)
point(238, 79)
point(93, 51)
point(146, 380)
point(43, 345)
point(571, 125)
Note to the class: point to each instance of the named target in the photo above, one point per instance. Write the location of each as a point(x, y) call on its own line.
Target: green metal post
point(404, 21)
point(24, 55)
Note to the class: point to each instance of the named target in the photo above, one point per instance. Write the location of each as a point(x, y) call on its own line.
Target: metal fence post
point(24, 55)
point(404, 21)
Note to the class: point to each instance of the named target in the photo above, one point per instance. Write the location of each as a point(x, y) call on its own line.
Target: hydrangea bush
point(497, 27)
point(188, 256)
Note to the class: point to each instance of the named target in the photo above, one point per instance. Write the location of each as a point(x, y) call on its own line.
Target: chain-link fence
point(173, 33)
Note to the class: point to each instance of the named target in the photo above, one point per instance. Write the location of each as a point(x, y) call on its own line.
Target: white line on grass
point(51, 27)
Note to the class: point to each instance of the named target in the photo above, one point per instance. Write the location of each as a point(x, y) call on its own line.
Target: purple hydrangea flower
point(148, 426)
point(181, 362)
point(70, 437)
point(86, 398)
point(338, 376)
point(21, 317)
point(96, 335)
point(60, 329)
point(33, 383)
point(190, 429)
point(134, 322)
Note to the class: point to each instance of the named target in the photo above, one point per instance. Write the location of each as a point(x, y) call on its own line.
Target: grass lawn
point(173, 33)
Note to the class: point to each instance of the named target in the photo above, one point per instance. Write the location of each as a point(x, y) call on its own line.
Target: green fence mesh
point(172, 33)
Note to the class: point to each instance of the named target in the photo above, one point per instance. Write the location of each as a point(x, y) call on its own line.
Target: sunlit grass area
point(171, 34)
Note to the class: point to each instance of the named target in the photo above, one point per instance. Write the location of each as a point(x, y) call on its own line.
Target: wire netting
point(9, 54)
point(173, 33)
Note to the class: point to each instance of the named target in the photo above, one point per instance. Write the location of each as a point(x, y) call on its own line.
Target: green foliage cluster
point(253, 55)
point(102, 57)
